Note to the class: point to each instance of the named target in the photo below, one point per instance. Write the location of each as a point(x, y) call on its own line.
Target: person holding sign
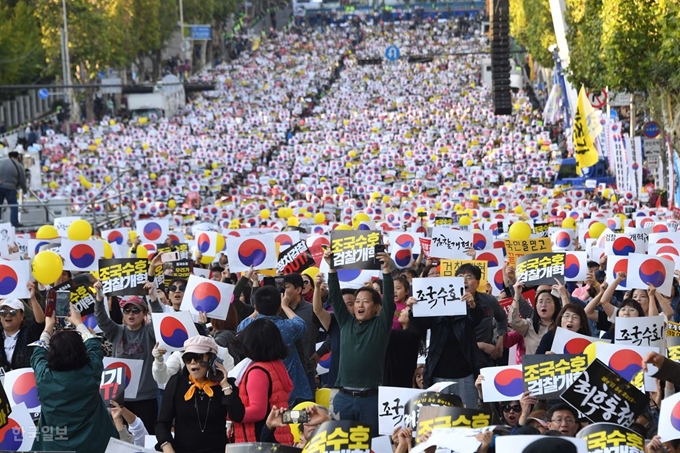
point(68, 370)
point(135, 339)
point(195, 402)
point(363, 344)
point(545, 314)
point(453, 353)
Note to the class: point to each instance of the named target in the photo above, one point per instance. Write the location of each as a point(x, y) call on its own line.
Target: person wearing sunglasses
point(18, 332)
point(134, 339)
point(176, 290)
point(195, 402)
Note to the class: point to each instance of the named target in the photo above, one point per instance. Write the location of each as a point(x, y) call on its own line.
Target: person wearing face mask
point(195, 402)
point(573, 318)
point(135, 339)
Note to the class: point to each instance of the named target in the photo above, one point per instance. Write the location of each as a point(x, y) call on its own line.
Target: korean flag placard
point(208, 296)
point(14, 276)
point(81, 255)
point(154, 231)
point(257, 251)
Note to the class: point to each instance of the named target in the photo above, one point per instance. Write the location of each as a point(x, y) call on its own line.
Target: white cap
point(12, 303)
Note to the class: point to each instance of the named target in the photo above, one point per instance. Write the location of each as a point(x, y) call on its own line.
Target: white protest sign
point(645, 270)
point(641, 331)
point(439, 296)
point(450, 244)
point(21, 388)
point(391, 410)
point(616, 264)
point(207, 295)
point(519, 443)
point(119, 446)
point(502, 383)
point(173, 329)
point(568, 342)
point(669, 418)
point(62, 224)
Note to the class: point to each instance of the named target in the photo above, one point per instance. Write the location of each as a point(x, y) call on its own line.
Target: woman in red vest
point(265, 383)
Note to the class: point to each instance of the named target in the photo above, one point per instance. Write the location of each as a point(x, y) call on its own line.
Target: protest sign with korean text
point(640, 331)
point(439, 296)
point(603, 396)
point(541, 230)
point(540, 269)
point(340, 435)
point(546, 376)
point(295, 259)
point(448, 268)
point(112, 386)
point(182, 249)
point(611, 438)
point(5, 408)
point(673, 348)
point(123, 277)
point(437, 417)
point(502, 383)
point(133, 373)
point(425, 399)
point(82, 297)
point(515, 248)
point(450, 244)
point(354, 249)
point(391, 407)
point(444, 222)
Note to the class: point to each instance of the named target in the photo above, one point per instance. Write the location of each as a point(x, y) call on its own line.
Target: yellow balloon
point(293, 221)
point(282, 213)
point(469, 163)
point(107, 179)
point(474, 198)
point(214, 165)
point(519, 231)
point(98, 141)
point(464, 221)
point(294, 427)
point(596, 229)
point(591, 352)
point(606, 193)
point(386, 199)
point(47, 232)
point(132, 235)
point(152, 175)
point(360, 217)
point(319, 218)
point(207, 259)
point(375, 195)
point(219, 243)
point(47, 267)
point(569, 223)
point(264, 214)
point(339, 190)
point(142, 252)
point(80, 230)
point(352, 154)
point(108, 251)
point(172, 204)
point(206, 173)
point(458, 207)
point(343, 227)
point(518, 209)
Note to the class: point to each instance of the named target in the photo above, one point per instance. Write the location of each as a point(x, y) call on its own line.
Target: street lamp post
point(66, 62)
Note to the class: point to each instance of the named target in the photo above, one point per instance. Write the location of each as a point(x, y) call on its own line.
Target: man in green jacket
point(363, 344)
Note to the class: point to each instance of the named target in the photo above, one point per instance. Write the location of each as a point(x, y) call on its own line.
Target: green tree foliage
point(531, 25)
point(22, 57)
point(584, 30)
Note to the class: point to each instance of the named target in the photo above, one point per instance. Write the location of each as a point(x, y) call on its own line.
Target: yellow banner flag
point(584, 149)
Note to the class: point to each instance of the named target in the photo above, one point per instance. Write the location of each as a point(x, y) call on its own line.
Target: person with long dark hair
point(195, 402)
point(265, 383)
point(571, 317)
point(68, 369)
point(543, 316)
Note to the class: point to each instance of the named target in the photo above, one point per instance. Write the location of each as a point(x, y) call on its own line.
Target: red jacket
point(280, 386)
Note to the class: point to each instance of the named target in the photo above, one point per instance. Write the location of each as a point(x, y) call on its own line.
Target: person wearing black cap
point(12, 177)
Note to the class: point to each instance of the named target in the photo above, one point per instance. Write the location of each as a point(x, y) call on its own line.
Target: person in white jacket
point(135, 432)
point(162, 370)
